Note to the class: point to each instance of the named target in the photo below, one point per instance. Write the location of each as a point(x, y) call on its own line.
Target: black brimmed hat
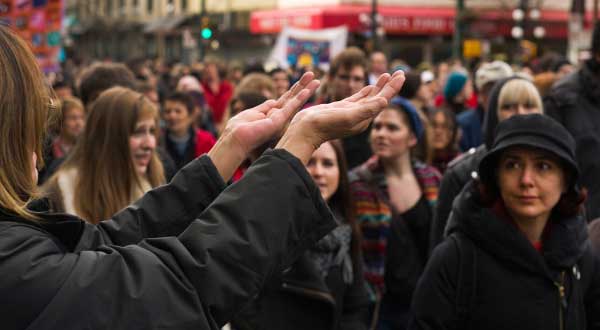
point(537, 131)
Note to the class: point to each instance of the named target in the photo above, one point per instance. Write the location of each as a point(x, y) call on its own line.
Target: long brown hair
point(342, 202)
point(25, 106)
point(107, 179)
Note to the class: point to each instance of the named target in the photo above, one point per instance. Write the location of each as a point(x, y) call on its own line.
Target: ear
point(412, 140)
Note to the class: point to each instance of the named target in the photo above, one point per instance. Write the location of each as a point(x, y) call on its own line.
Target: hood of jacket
point(563, 245)
point(490, 120)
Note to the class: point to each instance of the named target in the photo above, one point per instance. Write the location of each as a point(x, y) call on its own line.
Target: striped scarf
point(374, 213)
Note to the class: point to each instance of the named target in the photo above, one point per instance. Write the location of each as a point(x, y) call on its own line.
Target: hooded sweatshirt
point(464, 168)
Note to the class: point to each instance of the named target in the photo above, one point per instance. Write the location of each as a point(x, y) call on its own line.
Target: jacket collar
point(563, 246)
point(66, 228)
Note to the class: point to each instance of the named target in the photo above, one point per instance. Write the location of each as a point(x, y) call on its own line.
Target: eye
point(544, 166)
point(508, 106)
point(511, 165)
point(392, 127)
point(377, 126)
point(328, 163)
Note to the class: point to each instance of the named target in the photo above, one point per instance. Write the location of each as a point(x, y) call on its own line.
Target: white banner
point(308, 48)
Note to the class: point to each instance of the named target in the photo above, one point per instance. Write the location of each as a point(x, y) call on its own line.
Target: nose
point(149, 141)
point(527, 176)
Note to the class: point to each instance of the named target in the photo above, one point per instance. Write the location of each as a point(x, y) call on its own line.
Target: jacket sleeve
point(164, 211)
point(449, 189)
point(196, 280)
point(434, 300)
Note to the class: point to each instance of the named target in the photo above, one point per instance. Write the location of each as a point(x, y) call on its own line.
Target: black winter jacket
point(464, 168)
point(302, 299)
point(187, 255)
point(514, 285)
point(574, 102)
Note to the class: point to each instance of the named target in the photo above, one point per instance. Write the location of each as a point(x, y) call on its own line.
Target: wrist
point(226, 157)
point(299, 146)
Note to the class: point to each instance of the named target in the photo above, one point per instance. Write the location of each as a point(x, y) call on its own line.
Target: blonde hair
point(520, 91)
point(257, 82)
point(25, 106)
point(107, 180)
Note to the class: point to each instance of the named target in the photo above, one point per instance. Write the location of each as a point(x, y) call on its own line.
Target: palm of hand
point(253, 127)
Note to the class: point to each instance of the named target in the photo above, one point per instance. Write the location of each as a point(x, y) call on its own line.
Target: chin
point(141, 170)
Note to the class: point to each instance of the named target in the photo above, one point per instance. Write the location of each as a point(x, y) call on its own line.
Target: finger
point(370, 108)
point(364, 92)
point(381, 82)
point(265, 107)
point(312, 86)
point(283, 115)
point(392, 88)
point(300, 85)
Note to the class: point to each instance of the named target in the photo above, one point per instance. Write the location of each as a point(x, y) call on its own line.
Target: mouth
point(527, 198)
point(142, 158)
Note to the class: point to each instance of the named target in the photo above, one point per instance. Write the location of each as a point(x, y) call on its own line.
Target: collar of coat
point(66, 228)
point(562, 247)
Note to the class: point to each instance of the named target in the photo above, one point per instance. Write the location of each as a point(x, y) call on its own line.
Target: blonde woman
point(187, 255)
point(115, 161)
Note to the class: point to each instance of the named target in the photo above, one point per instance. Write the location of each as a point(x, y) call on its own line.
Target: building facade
point(123, 29)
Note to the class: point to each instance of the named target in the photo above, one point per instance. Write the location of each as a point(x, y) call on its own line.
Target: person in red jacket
point(182, 140)
point(217, 91)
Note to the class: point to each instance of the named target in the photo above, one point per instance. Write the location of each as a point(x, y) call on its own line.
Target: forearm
point(164, 211)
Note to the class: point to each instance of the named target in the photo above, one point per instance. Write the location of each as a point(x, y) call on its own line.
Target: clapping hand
point(252, 128)
point(324, 122)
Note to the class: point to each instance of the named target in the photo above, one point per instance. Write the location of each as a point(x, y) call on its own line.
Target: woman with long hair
point(115, 161)
point(325, 288)
point(394, 196)
point(518, 255)
point(187, 255)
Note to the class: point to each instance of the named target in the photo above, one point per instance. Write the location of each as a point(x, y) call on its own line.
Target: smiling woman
point(114, 163)
point(518, 251)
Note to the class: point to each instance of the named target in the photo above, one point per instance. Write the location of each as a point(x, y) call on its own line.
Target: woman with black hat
point(518, 256)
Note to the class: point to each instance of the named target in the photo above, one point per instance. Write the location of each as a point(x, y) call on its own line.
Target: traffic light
point(206, 30)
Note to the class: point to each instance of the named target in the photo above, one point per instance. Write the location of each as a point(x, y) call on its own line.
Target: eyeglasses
point(346, 77)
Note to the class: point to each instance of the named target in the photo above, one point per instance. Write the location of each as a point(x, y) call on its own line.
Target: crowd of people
point(370, 196)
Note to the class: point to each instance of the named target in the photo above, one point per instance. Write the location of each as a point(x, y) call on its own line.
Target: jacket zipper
point(562, 300)
point(310, 292)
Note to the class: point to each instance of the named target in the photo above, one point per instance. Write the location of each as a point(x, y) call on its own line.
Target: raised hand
point(321, 123)
point(254, 127)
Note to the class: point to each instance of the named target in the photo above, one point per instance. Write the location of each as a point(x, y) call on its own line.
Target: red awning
point(399, 20)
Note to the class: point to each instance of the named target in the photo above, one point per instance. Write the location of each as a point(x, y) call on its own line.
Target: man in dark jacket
point(574, 101)
point(464, 168)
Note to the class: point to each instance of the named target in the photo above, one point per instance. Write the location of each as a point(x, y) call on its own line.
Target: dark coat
point(514, 285)
point(187, 255)
point(574, 101)
point(302, 299)
point(461, 170)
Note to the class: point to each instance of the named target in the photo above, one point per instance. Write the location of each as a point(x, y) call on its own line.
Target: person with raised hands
point(187, 255)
